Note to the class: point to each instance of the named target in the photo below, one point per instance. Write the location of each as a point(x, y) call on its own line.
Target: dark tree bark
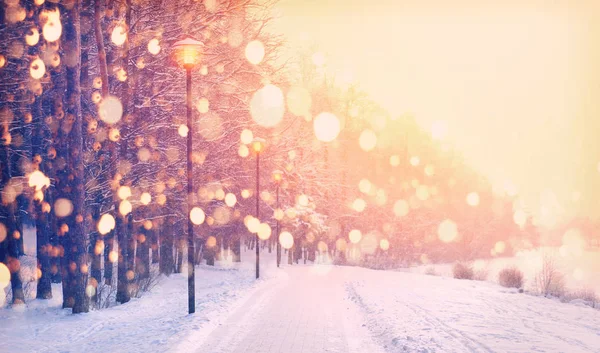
point(76, 232)
point(42, 218)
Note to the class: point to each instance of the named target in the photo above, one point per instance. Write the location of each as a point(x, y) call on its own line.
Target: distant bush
point(511, 277)
point(587, 295)
point(463, 271)
point(431, 271)
point(549, 281)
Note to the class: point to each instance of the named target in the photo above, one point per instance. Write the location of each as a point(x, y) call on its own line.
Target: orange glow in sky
point(512, 85)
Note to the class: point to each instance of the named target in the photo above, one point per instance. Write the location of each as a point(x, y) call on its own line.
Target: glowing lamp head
point(187, 52)
point(277, 176)
point(258, 145)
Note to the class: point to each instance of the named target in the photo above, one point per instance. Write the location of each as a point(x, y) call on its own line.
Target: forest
point(93, 154)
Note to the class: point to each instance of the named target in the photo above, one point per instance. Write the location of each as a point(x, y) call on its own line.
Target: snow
point(580, 272)
point(310, 308)
point(418, 313)
point(156, 322)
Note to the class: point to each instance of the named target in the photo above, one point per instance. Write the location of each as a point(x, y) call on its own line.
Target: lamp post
point(187, 53)
point(277, 176)
point(258, 145)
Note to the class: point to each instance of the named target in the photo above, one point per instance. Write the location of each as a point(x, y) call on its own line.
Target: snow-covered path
point(307, 312)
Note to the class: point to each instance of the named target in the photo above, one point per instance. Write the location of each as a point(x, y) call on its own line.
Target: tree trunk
point(76, 232)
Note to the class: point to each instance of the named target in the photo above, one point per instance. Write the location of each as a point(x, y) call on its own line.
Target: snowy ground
point(580, 272)
point(415, 313)
point(306, 308)
point(156, 322)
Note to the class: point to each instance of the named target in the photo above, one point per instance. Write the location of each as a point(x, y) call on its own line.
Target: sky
point(511, 84)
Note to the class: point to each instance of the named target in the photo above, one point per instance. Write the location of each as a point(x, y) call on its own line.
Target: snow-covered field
point(580, 272)
point(409, 312)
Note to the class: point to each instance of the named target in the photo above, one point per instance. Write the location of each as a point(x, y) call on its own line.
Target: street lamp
point(187, 53)
point(258, 145)
point(277, 177)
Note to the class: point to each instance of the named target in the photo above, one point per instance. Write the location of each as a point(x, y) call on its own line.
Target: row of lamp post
point(187, 53)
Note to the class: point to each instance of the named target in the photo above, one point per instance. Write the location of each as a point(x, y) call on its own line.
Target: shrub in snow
point(511, 277)
point(549, 281)
point(431, 271)
point(587, 296)
point(463, 271)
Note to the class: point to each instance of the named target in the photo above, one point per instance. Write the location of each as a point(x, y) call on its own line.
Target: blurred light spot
point(384, 244)
point(253, 224)
point(145, 198)
point(429, 170)
point(32, 37)
point(154, 46)
point(327, 127)
point(286, 240)
point(90, 290)
point(245, 193)
point(119, 35)
point(246, 137)
point(355, 236)
point(359, 205)
point(183, 130)
point(2, 61)
point(255, 52)
point(106, 224)
point(303, 200)
point(243, 151)
point(52, 29)
point(197, 216)
point(125, 207)
point(211, 242)
point(63, 207)
point(422, 192)
point(230, 200)
point(3, 232)
point(124, 192)
point(4, 276)
point(299, 101)
point(367, 140)
point(203, 105)
point(414, 161)
point(500, 247)
point(447, 231)
point(520, 218)
point(278, 214)
point(473, 199)
point(364, 186)
point(37, 69)
point(110, 110)
point(38, 180)
point(401, 208)
point(395, 161)
point(267, 106)
point(264, 231)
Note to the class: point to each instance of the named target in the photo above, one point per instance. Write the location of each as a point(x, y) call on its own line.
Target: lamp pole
point(257, 211)
point(190, 190)
point(277, 175)
point(257, 146)
point(186, 52)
